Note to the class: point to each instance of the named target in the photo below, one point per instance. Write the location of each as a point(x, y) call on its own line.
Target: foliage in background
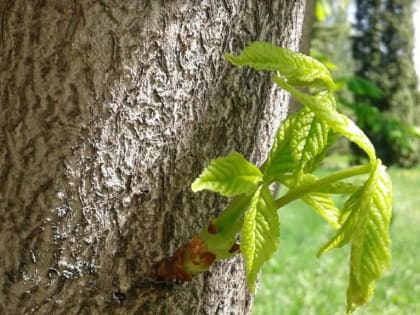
point(383, 50)
point(381, 124)
point(330, 38)
point(331, 44)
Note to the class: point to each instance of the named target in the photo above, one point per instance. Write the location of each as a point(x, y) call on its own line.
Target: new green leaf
point(323, 204)
point(301, 139)
point(229, 176)
point(366, 218)
point(297, 68)
point(370, 252)
point(320, 202)
point(324, 106)
point(309, 137)
point(260, 233)
point(280, 160)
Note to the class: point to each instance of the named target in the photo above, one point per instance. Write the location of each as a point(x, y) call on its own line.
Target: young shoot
point(299, 147)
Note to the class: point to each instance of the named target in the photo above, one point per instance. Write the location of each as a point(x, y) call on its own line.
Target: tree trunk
point(108, 111)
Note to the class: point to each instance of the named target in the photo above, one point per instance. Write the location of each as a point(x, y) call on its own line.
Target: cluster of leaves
point(299, 146)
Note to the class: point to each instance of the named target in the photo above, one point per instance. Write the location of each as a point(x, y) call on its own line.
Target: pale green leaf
point(229, 176)
point(366, 221)
point(348, 219)
point(370, 251)
point(324, 107)
point(300, 143)
point(320, 202)
point(324, 205)
point(312, 165)
point(280, 160)
point(351, 131)
point(296, 68)
point(309, 137)
point(260, 233)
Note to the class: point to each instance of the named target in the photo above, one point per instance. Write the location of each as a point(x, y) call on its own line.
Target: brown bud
point(212, 228)
point(187, 261)
point(235, 248)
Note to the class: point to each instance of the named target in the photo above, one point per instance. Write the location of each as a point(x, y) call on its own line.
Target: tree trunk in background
point(108, 111)
point(383, 51)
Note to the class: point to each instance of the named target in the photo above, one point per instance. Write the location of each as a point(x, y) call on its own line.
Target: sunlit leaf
point(260, 233)
point(366, 221)
point(229, 176)
point(296, 68)
point(299, 145)
point(320, 202)
point(324, 106)
point(280, 160)
point(323, 204)
point(309, 137)
point(370, 251)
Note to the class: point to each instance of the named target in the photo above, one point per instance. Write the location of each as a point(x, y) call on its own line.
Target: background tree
point(330, 40)
point(109, 109)
point(383, 50)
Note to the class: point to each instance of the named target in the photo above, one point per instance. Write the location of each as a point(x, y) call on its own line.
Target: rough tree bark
point(108, 111)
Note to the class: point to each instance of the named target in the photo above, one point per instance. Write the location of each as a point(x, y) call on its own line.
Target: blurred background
point(372, 48)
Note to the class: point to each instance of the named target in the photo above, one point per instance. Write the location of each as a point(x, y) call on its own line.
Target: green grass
point(294, 281)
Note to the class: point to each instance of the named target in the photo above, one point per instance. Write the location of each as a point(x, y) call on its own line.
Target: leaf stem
point(300, 191)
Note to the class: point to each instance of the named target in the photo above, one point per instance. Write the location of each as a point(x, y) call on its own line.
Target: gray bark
point(108, 111)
